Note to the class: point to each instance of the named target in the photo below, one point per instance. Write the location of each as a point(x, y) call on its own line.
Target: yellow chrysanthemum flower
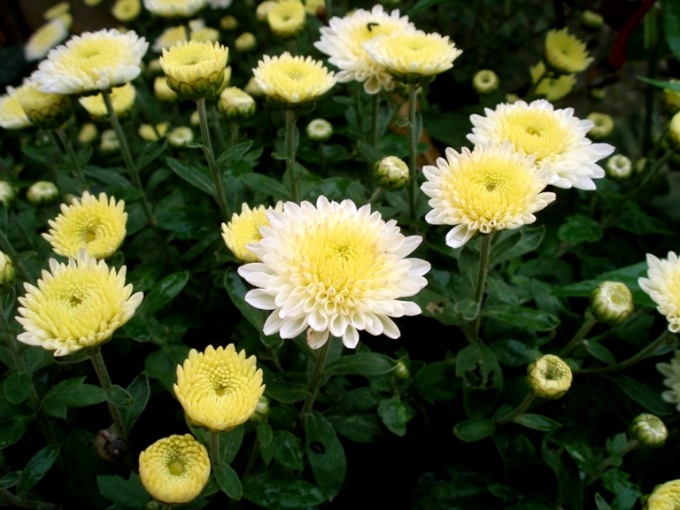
point(673, 128)
point(664, 497)
point(175, 469)
point(293, 80)
point(549, 377)
point(244, 229)
point(92, 62)
point(174, 8)
point(414, 55)
point(76, 305)
point(263, 8)
point(551, 87)
point(555, 138)
point(663, 286)
point(287, 18)
point(45, 38)
point(333, 269)
point(44, 109)
point(313, 6)
point(491, 188)
point(219, 388)
point(671, 373)
point(12, 115)
point(196, 69)
point(95, 224)
point(126, 10)
point(343, 41)
point(169, 37)
point(122, 100)
point(565, 53)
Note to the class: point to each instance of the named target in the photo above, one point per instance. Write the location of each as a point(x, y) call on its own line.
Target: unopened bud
point(235, 104)
point(603, 125)
point(401, 371)
point(649, 430)
point(319, 130)
point(391, 173)
point(228, 22)
point(109, 141)
point(7, 273)
point(109, 444)
point(674, 129)
point(245, 42)
point(253, 88)
point(261, 410)
point(162, 91)
point(549, 377)
point(592, 19)
point(619, 166)
point(485, 81)
point(263, 9)
point(611, 302)
point(7, 193)
point(42, 192)
point(180, 136)
point(88, 133)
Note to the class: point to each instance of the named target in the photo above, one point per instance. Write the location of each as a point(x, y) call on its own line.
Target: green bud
point(485, 81)
point(391, 173)
point(261, 411)
point(603, 125)
point(649, 430)
point(619, 166)
point(319, 130)
point(401, 371)
point(42, 192)
point(236, 104)
point(7, 193)
point(592, 20)
point(7, 273)
point(611, 302)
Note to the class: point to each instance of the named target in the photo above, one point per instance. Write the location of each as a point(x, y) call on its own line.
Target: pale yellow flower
point(76, 305)
point(313, 6)
point(88, 133)
point(180, 136)
point(244, 229)
point(162, 91)
point(175, 469)
point(293, 80)
point(153, 133)
point(391, 173)
point(234, 103)
point(94, 224)
point(671, 373)
point(485, 81)
point(220, 388)
point(126, 10)
point(44, 109)
point(664, 497)
point(57, 10)
point(219, 4)
point(169, 37)
point(174, 8)
point(603, 125)
point(549, 377)
point(673, 128)
point(12, 115)
point(491, 188)
point(333, 269)
point(206, 34)
point(550, 86)
point(45, 38)
point(412, 56)
point(253, 88)
point(122, 100)
point(263, 8)
point(663, 286)
point(287, 18)
point(565, 53)
point(42, 192)
point(245, 42)
point(92, 62)
point(196, 69)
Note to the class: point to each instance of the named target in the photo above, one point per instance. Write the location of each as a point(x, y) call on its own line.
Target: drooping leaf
point(474, 429)
point(326, 454)
point(71, 393)
point(36, 468)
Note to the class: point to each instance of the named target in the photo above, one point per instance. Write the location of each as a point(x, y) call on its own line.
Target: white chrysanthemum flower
point(333, 269)
point(671, 372)
point(491, 188)
point(555, 138)
point(174, 8)
point(45, 38)
point(92, 62)
point(343, 39)
point(219, 4)
point(663, 286)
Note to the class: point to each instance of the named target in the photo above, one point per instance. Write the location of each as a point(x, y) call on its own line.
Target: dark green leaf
point(107, 176)
point(234, 153)
point(362, 363)
point(599, 351)
point(230, 443)
point(140, 390)
point(10, 479)
point(670, 85)
point(326, 454)
point(12, 430)
point(162, 364)
point(537, 422)
point(128, 493)
point(286, 392)
point(120, 397)
point(438, 307)
point(513, 243)
point(237, 291)
point(360, 428)
point(671, 26)
point(278, 493)
point(17, 387)
point(228, 481)
point(579, 229)
point(149, 153)
point(164, 292)
point(522, 317)
point(435, 381)
point(192, 175)
point(474, 429)
point(395, 414)
point(36, 468)
point(263, 184)
point(265, 434)
point(287, 449)
point(71, 393)
point(642, 394)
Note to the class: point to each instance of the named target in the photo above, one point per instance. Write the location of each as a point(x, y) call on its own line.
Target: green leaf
point(164, 292)
point(522, 317)
point(263, 184)
point(363, 363)
point(265, 434)
point(162, 364)
point(601, 502)
point(12, 430)
point(671, 26)
point(228, 481)
point(579, 229)
point(360, 428)
point(599, 351)
point(36, 468)
point(110, 177)
point(230, 443)
point(474, 429)
point(513, 243)
point(438, 307)
point(140, 391)
point(537, 422)
point(71, 393)
point(395, 414)
point(149, 153)
point(670, 85)
point(128, 493)
point(237, 291)
point(287, 449)
point(642, 394)
point(434, 382)
point(234, 153)
point(17, 387)
point(10, 479)
point(120, 397)
point(286, 392)
point(278, 492)
point(192, 175)
point(326, 455)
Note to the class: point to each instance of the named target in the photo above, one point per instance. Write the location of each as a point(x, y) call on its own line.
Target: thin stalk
point(315, 380)
point(233, 132)
point(376, 194)
point(579, 336)
point(482, 274)
point(375, 111)
point(523, 406)
point(217, 128)
point(595, 475)
point(290, 153)
point(107, 386)
point(19, 502)
point(220, 197)
point(322, 158)
point(72, 158)
point(214, 445)
point(252, 459)
point(412, 148)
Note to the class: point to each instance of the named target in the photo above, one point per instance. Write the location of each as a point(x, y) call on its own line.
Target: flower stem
point(72, 158)
point(523, 406)
point(484, 257)
point(315, 381)
point(210, 157)
point(214, 445)
point(595, 475)
point(19, 502)
point(107, 386)
point(579, 336)
point(290, 153)
point(413, 148)
point(375, 110)
point(217, 128)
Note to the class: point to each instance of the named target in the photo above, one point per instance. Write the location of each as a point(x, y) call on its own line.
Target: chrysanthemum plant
point(436, 298)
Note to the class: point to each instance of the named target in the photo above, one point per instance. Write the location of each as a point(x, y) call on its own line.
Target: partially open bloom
point(44, 109)
point(244, 229)
point(319, 130)
point(122, 100)
point(549, 377)
point(485, 81)
point(649, 430)
point(333, 269)
point(95, 224)
point(92, 62)
point(234, 103)
point(180, 136)
point(126, 10)
point(491, 188)
point(565, 53)
point(662, 284)
point(555, 138)
point(664, 497)
point(219, 388)
point(12, 115)
point(7, 273)
point(391, 173)
point(611, 302)
point(76, 305)
point(174, 8)
point(45, 38)
point(175, 469)
point(671, 372)
point(619, 166)
point(42, 192)
point(550, 86)
point(287, 18)
point(292, 80)
point(603, 125)
point(196, 69)
point(343, 41)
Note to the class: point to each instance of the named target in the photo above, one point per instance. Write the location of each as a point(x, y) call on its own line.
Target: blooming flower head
point(175, 469)
point(92, 62)
point(293, 80)
point(663, 286)
point(12, 115)
point(664, 497)
point(413, 55)
point(333, 269)
point(555, 138)
point(45, 38)
point(549, 377)
point(174, 8)
point(565, 53)
point(43, 109)
point(126, 10)
point(219, 388)
point(671, 372)
point(244, 229)
point(551, 87)
point(343, 41)
point(95, 224)
point(122, 100)
point(169, 37)
point(76, 305)
point(287, 18)
point(491, 188)
point(196, 69)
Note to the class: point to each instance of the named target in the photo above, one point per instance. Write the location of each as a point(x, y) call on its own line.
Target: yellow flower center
point(176, 466)
point(534, 132)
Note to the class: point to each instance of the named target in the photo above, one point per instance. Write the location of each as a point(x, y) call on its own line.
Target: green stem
point(315, 381)
point(214, 445)
point(322, 158)
point(220, 197)
point(252, 459)
point(484, 257)
point(579, 336)
point(376, 194)
point(19, 502)
point(375, 110)
point(412, 148)
point(107, 386)
point(523, 406)
point(217, 127)
point(595, 475)
point(664, 338)
point(72, 158)
point(290, 153)
point(233, 132)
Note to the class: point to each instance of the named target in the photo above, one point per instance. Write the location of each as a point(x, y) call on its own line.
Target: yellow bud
point(485, 81)
point(549, 377)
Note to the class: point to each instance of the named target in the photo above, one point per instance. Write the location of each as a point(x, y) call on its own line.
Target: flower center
point(534, 132)
point(176, 466)
point(89, 235)
point(75, 300)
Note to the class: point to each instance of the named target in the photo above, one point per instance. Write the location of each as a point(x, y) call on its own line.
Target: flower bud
point(391, 173)
point(7, 193)
point(592, 20)
point(549, 377)
point(485, 81)
point(603, 125)
point(619, 166)
point(401, 371)
point(261, 411)
point(253, 88)
point(649, 430)
point(611, 302)
point(42, 192)
point(287, 18)
point(664, 496)
point(235, 104)
point(245, 42)
point(109, 141)
point(6, 273)
point(597, 93)
point(319, 130)
point(674, 129)
point(153, 133)
point(162, 91)
point(263, 9)
point(88, 133)
point(180, 136)
point(228, 23)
